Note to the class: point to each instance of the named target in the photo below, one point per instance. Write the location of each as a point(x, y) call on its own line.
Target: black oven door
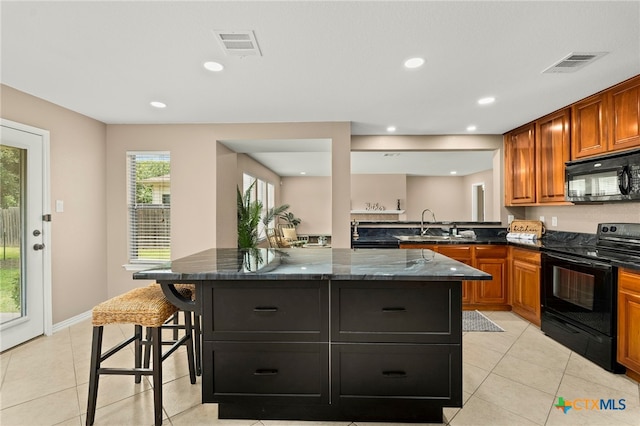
point(580, 291)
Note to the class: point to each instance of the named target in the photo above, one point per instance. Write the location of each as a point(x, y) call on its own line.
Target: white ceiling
point(321, 61)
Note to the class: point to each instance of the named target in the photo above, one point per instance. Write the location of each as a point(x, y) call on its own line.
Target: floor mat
point(476, 321)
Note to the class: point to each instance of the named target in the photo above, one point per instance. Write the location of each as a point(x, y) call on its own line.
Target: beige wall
point(78, 177)
point(486, 177)
point(384, 189)
point(443, 195)
point(309, 198)
point(89, 244)
point(204, 175)
point(585, 218)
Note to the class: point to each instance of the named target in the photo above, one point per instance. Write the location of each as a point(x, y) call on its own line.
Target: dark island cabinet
point(368, 350)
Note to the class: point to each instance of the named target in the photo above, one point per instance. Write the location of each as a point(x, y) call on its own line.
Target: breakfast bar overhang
point(326, 334)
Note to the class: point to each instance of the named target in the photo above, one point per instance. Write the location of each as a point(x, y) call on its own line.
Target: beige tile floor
point(510, 378)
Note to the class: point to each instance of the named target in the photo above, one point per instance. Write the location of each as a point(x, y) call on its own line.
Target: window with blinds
point(149, 205)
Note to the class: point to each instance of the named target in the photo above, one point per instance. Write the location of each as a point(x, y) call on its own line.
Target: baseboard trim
point(71, 321)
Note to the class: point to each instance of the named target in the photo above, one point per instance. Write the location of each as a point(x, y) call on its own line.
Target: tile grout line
point(493, 368)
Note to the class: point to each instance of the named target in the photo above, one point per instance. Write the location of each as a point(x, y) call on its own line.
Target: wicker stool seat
point(141, 307)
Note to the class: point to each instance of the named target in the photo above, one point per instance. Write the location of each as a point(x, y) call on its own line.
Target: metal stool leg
point(94, 376)
point(156, 347)
point(197, 332)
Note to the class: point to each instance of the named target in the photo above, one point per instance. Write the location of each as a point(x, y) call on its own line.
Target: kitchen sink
point(430, 237)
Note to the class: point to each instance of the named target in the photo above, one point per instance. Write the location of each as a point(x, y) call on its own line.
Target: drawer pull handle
point(394, 309)
point(265, 372)
point(265, 309)
point(394, 373)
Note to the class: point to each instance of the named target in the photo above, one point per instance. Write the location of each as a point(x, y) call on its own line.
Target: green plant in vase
point(249, 213)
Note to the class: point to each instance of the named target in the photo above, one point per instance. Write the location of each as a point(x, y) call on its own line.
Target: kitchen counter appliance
point(613, 177)
point(579, 292)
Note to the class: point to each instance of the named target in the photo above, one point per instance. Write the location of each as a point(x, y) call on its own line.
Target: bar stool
point(173, 323)
point(142, 307)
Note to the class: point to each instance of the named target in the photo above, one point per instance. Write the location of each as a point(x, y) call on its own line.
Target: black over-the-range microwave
point(612, 177)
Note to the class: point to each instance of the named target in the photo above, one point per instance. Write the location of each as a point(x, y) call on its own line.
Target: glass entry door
point(22, 234)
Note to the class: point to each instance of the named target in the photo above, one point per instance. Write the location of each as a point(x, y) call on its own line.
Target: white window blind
point(149, 204)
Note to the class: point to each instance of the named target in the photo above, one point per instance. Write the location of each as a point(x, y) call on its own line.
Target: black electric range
point(579, 291)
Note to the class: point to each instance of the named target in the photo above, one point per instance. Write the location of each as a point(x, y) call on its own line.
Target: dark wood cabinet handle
point(265, 372)
point(394, 373)
point(265, 309)
point(394, 309)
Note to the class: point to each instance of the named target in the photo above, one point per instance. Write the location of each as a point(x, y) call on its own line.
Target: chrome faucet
point(422, 228)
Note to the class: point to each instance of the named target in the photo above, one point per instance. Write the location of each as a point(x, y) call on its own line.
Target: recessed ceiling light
point(157, 104)
point(214, 66)
point(303, 173)
point(471, 128)
point(487, 100)
point(391, 129)
point(453, 172)
point(414, 62)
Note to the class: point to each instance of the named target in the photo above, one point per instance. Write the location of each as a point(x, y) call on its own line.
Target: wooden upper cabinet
point(520, 166)
point(625, 115)
point(589, 121)
point(552, 151)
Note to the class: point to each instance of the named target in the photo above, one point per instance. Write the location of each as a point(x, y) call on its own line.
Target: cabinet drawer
point(258, 312)
point(526, 255)
point(398, 312)
point(262, 370)
point(410, 371)
point(455, 252)
point(629, 281)
point(491, 252)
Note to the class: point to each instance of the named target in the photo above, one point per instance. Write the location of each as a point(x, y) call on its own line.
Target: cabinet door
point(629, 319)
point(493, 291)
point(520, 166)
point(552, 151)
point(589, 127)
point(625, 111)
point(525, 293)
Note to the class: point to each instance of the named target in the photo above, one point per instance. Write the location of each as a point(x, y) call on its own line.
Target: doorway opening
point(477, 202)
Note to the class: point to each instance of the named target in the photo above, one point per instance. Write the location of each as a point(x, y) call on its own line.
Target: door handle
point(37, 247)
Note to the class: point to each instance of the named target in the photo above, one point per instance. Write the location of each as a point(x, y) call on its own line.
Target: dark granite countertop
point(569, 243)
point(314, 264)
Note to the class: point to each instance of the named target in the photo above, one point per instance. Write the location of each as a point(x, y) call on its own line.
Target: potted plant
point(249, 216)
point(290, 218)
point(249, 213)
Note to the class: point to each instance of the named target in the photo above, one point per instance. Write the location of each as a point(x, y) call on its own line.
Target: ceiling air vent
point(238, 43)
point(574, 61)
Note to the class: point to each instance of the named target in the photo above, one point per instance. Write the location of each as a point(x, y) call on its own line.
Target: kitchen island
point(326, 334)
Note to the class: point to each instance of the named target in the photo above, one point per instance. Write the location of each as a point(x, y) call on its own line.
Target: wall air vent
point(238, 43)
point(574, 61)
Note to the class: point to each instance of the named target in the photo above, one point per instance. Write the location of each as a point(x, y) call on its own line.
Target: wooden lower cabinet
point(489, 295)
point(525, 283)
point(629, 320)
